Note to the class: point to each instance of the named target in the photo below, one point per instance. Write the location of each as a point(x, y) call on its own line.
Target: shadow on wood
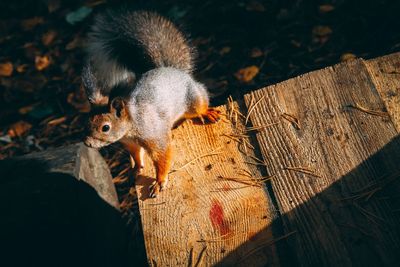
point(362, 217)
point(145, 182)
point(53, 219)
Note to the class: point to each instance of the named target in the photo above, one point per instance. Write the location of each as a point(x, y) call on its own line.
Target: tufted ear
point(118, 107)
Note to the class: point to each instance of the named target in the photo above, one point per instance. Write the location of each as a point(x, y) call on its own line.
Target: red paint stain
point(217, 218)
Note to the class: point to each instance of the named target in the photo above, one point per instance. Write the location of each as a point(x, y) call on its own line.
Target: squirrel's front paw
point(156, 187)
point(211, 116)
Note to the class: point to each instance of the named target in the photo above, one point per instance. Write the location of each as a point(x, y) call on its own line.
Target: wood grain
point(324, 152)
point(385, 74)
point(202, 219)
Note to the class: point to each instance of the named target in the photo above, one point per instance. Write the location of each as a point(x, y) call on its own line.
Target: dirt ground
point(242, 46)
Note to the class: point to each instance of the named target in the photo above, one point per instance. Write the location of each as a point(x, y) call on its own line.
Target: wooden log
point(60, 208)
point(335, 154)
point(212, 213)
point(83, 163)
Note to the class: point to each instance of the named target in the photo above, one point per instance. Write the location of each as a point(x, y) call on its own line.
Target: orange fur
point(211, 115)
point(161, 159)
point(134, 151)
point(203, 113)
point(162, 162)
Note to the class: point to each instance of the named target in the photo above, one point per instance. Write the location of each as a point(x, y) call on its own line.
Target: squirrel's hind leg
point(201, 113)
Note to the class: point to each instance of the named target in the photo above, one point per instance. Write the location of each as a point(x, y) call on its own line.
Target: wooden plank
point(385, 73)
point(339, 210)
point(202, 218)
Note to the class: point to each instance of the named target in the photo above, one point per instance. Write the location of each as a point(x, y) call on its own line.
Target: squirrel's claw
point(157, 187)
point(202, 119)
point(212, 116)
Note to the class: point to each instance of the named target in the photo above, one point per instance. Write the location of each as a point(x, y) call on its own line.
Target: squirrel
point(142, 115)
point(143, 120)
point(123, 44)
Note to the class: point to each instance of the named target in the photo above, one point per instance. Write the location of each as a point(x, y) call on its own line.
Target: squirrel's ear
point(118, 106)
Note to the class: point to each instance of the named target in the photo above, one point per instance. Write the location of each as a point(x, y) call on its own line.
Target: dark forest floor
point(242, 46)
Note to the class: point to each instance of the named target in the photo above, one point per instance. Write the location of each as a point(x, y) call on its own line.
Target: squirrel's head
point(108, 126)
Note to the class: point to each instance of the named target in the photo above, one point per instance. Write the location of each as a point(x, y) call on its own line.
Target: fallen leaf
point(42, 63)
point(19, 128)
point(6, 69)
point(22, 68)
point(29, 24)
point(27, 109)
point(78, 15)
point(57, 121)
point(247, 74)
point(256, 52)
point(225, 50)
point(49, 37)
point(321, 34)
point(347, 56)
point(76, 42)
point(321, 31)
point(326, 8)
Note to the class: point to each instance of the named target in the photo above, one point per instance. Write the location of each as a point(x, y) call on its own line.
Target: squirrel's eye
point(105, 128)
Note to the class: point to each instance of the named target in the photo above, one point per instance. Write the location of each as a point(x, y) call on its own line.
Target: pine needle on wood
point(211, 153)
point(261, 127)
point(292, 119)
point(303, 170)
point(252, 108)
point(201, 257)
point(382, 114)
point(265, 244)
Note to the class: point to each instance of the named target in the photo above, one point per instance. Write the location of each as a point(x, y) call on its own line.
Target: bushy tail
point(124, 43)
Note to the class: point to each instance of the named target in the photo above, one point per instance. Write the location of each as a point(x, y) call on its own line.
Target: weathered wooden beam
point(83, 163)
point(212, 212)
point(385, 74)
point(60, 208)
point(335, 154)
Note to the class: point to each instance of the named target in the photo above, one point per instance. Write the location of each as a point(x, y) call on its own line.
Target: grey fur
point(161, 97)
point(124, 43)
